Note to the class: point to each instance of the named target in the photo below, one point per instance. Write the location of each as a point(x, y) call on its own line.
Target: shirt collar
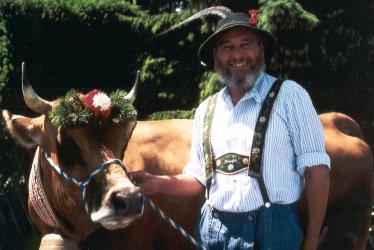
point(256, 92)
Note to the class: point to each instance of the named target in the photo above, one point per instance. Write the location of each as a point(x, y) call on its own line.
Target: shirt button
point(215, 215)
point(267, 204)
point(250, 218)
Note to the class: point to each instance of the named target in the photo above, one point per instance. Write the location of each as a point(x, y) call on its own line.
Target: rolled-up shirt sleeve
point(195, 167)
point(306, 130)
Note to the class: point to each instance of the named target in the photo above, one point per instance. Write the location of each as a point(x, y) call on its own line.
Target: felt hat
point(232, 21)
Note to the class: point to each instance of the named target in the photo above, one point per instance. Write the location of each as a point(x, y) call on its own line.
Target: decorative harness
point(83, 184)
point(36, 190)
point(232, 163)
point(37, 195)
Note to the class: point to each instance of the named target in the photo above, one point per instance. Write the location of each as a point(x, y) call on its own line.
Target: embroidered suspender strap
point(207, 145)
point(260, 131)
point(258, 143)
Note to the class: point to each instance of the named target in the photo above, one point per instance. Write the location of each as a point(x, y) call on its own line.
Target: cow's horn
point(33, 101)
point(220, 11)
point(132, 94)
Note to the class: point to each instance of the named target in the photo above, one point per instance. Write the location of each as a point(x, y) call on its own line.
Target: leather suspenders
point(255, 163)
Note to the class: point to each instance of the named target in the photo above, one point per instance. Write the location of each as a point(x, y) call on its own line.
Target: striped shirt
point(294, 141)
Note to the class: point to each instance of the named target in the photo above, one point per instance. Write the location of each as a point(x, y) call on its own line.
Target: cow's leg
point(347, 225)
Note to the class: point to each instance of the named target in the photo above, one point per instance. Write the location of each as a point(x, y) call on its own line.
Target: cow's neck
point(65, 202)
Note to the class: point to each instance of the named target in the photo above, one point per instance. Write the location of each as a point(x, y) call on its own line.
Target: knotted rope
point(169, 220)
point(82, 184)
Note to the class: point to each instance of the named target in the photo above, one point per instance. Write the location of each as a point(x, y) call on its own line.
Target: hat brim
point(205, 51)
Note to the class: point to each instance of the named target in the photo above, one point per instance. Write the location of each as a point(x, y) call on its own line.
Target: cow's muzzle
point(125, 202)
point(120, 208)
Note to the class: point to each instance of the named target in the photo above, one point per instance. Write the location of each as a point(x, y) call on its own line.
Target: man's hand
point(178, 185)
point(148, 183)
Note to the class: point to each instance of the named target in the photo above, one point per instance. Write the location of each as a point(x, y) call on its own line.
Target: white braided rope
point(82, 184)
point(169, 220)
point(37, 195)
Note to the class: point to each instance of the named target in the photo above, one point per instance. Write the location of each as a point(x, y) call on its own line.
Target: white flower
point(262, 119)
point(218, 162)
point(256, 151)
point(245, 160)
point(230, 167)
point(101, 101)
point(272, 94)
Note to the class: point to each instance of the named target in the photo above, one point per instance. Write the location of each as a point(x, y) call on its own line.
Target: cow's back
point(159, 147)
point(352, 164)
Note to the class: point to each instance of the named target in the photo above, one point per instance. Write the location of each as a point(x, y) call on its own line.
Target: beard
point(244, 80)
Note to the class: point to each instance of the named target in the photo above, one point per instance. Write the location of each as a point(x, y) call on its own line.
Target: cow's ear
point(27, 131)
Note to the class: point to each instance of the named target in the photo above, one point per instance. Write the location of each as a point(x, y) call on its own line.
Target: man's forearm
point(316, 190)
point(180, 185)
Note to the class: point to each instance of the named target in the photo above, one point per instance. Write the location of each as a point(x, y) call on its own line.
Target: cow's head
point(79, 133)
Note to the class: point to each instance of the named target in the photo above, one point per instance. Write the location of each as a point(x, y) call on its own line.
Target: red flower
point(253, 17)
point(98, 102)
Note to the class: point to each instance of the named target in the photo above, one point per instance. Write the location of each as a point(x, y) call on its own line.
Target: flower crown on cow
point(79, 109)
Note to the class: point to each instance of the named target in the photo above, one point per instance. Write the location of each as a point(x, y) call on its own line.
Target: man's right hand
point(148, 183)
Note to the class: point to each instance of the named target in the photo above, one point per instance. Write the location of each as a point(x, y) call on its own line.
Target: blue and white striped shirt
point(294, 140)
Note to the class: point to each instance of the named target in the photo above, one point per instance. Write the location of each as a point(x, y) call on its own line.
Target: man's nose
point(237, 53)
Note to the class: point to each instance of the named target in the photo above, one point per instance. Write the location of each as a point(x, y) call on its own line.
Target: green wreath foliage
point(70, 110)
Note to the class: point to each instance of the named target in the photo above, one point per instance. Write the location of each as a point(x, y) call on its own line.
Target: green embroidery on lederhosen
point(207, 145)
point(258, 143)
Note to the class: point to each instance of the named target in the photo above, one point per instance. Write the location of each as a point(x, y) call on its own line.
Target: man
point(248, 206)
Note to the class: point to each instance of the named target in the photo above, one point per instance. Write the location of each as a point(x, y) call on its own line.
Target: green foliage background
point(327, 46)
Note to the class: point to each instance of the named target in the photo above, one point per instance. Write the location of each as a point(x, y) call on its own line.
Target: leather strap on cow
point(258, 144)
point(37, 195)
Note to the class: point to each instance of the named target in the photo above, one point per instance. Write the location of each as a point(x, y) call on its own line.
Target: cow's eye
point(68, 152)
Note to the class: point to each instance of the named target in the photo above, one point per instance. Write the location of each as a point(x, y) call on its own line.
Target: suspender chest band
point(258, 144)
point(231, 163)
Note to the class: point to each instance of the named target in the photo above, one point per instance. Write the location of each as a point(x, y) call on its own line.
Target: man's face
point(239, 57)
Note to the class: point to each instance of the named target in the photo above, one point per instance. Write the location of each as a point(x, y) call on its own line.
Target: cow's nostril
point(119, 201)
point(127, 203)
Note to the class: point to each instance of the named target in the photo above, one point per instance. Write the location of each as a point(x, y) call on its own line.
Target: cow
point(162, 147)
point(79, 189)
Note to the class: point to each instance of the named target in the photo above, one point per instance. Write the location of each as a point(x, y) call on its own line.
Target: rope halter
point(83, 184)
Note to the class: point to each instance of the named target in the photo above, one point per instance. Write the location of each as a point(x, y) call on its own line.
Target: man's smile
point(239, 64)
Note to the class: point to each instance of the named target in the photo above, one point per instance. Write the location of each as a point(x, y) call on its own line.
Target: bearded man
point(256, 145)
